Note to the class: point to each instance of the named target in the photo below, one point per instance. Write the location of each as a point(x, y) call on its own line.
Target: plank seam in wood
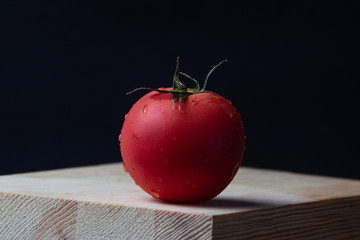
point(108, 221)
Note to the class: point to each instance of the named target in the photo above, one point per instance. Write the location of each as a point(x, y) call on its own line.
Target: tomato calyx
point(179, 90)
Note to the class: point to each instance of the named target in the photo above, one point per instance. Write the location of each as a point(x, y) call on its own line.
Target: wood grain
point(336, 219)
point(102, 202)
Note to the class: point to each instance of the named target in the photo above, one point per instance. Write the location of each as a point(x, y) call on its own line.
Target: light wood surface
point(102, 202)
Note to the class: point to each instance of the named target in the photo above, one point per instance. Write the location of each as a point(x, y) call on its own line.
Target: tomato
point(188, 153)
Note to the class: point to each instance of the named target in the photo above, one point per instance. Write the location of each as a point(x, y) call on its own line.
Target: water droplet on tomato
point(230, 115)
point(164, 129)
point(165, 161)
point(160, 179)
point(120, 137)
point(231, 175)
point(174, 138)
point(154, 194)
point(125, 169)
point(161, 150)
point(234, 171)
point(194, 102)
point(145, 109)
point(135, 136)
point(125, 116)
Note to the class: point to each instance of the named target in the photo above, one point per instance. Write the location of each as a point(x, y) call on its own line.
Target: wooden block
point(102, 202)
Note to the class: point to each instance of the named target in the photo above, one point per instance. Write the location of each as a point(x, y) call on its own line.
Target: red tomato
point(186, 155)
point(183, 156)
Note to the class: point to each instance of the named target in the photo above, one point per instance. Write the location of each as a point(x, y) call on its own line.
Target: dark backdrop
point(293, 74)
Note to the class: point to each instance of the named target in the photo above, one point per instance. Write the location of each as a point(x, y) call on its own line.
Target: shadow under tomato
point(237, 203)
point(224, 203)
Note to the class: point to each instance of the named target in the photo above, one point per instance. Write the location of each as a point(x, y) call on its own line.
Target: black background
point(293, 74)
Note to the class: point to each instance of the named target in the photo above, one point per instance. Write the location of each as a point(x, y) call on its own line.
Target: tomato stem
point(210, 72)
point(179, 90)
point(197, 87)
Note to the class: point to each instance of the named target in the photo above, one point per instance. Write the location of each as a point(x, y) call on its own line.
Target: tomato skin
point(186, 155)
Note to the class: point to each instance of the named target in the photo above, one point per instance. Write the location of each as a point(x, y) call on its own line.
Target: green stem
point(210, 72)
point(196, 82)
point(179, 90)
